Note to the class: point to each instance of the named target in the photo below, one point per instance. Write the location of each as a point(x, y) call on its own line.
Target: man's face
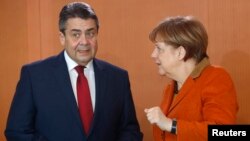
point(80, 39)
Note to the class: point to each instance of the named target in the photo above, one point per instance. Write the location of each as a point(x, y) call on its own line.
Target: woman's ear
point(182, 53)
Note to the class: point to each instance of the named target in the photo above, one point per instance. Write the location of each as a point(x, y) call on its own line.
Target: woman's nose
point(154, 53)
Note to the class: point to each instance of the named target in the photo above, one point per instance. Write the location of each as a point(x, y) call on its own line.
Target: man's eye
point(90, 34)
point(76, 35)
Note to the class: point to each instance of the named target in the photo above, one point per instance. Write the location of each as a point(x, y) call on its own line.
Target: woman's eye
point(160, 50)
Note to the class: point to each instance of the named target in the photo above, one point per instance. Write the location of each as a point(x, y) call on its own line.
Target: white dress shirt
point(89, 74)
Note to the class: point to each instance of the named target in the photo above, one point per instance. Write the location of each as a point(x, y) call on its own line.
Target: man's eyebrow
point(76, 30)
point(90, 29)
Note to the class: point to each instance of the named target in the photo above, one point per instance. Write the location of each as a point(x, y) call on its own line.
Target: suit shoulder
point(108, 66)
point(216, 75)
point(42, 67)
point(41, 63)
point(217, 70)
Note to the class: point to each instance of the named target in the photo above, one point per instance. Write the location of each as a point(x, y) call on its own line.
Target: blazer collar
point(199, 68)
point(188, 85)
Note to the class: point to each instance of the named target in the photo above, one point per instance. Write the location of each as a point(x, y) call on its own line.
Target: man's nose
point(83, 40)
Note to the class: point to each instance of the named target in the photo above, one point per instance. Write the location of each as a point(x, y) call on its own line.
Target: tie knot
point(79, 69)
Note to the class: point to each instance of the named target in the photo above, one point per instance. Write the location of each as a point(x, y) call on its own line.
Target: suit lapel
point(168, 98)
point(62, 77)
point(181, 95)
point(100, 81)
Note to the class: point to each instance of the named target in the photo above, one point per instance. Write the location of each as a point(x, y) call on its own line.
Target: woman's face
point(166, 58)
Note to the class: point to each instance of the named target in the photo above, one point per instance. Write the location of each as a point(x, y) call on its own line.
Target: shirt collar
point(200, 67)
point(72, 64)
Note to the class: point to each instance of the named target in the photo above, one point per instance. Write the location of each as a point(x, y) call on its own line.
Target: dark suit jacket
point(44, 107)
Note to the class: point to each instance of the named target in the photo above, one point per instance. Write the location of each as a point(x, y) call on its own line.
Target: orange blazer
point(208, 96)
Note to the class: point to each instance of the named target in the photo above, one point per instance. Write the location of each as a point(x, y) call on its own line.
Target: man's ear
point(62, 38)
point(181, 53)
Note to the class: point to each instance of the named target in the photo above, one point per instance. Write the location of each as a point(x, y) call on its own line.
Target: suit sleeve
point(21, 119)
point(130, 130)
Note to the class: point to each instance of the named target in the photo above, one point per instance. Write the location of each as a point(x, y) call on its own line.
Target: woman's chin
point(162, 73)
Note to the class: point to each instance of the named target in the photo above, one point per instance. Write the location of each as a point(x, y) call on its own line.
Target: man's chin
point(84, 61)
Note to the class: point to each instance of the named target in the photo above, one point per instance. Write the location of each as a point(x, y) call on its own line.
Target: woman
point(199, 93)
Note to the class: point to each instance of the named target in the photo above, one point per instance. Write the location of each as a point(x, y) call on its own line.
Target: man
point(49, 101)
